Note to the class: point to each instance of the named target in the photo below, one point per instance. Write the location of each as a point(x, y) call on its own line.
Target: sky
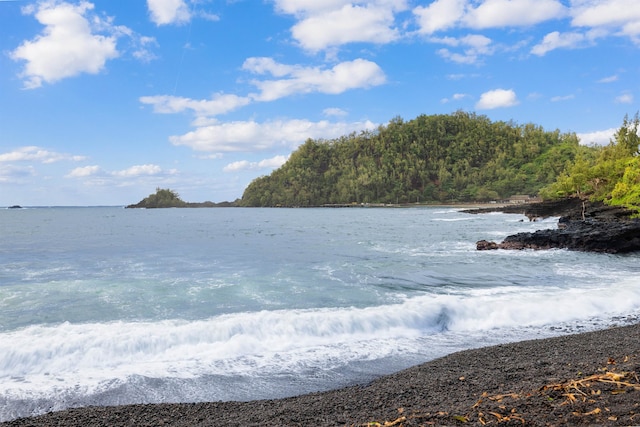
point(102, 101)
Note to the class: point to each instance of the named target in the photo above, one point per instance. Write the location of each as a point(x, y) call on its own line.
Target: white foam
point(40, 360)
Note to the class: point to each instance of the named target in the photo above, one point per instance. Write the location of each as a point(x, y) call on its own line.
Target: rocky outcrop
point(583, 226)
point(588, 236)
point(572, 208)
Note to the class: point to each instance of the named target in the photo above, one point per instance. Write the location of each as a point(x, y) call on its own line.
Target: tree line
point(610, 173)
point(459, 157)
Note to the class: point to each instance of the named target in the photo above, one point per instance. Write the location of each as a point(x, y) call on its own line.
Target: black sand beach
point(583, 379)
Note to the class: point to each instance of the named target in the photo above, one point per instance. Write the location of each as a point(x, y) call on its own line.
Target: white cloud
point(67, 46)
point(334, 112)
point(272, 163)
point(497, 98)
point(244, 136)
point(609, 79)
point(445, 14)
point(512, 13)
point(164, 12)
point(105, 177)
point(326, 24)
point(611, 13)
point(455, 97)
point(302, 7)
point(562, 98)
point(601, 137)
point(33, 153)
point(208, 16)
point(474, 46)
point(626, 98)
point(596, 19)
point(556, 40)
point(141, 50)
point(344, 76)
point(439, 15)
point(138, 170)
point(218, 104)
point(84, 171)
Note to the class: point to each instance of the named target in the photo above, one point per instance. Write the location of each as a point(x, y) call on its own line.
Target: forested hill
point(459, 157)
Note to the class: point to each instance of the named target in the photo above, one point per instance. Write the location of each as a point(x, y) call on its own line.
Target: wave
point(44, 358)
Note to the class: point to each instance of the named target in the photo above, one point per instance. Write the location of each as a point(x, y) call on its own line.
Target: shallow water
point(108, 306)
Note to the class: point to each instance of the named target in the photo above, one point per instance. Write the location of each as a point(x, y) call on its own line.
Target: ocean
point(107, 306)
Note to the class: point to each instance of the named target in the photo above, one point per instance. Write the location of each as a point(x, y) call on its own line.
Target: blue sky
point(103, 101)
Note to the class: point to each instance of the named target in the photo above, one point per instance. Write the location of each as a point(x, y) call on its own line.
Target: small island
point(166, 198)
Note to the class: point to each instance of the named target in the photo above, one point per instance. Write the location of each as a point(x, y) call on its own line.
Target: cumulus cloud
point(455, 97)
point(497, 98)
point(289, 80)
point(334, 112)
point(164, 12)
point(600, 137)
point(474, 46)
point(135, 171)
point(244, 136)
point(294, 79)
point(594, 20)
point(33, 153)
point(439, 15)
point(139, 170)
point(218, 104)
point(371, 22)
point(84, 171)
point(305, 7)
point(331, 23)
point(557, 40)
point(69, 44)
point(513, 13)
point(621, 14)
point(272, 163)
point(590, 20)
point(626, 98)
point(445, 14)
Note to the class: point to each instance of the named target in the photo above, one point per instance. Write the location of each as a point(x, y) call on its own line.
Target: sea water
point(105, 306)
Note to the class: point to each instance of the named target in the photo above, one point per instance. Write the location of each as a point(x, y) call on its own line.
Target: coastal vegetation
point(610, 174)
point(167, 198)
point(460, 157)
point(162, 198)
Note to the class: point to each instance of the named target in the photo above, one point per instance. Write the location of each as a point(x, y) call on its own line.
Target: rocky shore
point(583, 226)
point(573, 380)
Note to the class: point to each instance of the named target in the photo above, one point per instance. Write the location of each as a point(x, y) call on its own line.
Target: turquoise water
point(107, 306)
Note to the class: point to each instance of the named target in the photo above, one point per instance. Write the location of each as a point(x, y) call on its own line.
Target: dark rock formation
point(589, 236)
point(583, 226)
point(571, 208)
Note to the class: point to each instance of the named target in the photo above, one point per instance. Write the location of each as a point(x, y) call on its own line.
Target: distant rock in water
point(166, 198)
point(15, 207)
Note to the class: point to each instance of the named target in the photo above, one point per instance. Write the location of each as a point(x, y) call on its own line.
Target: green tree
point(627, 191)
point(162, 198)
point(608, 174)
point(437, 158)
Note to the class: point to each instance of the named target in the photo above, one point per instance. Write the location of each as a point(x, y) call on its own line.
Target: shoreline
point(579, 379)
